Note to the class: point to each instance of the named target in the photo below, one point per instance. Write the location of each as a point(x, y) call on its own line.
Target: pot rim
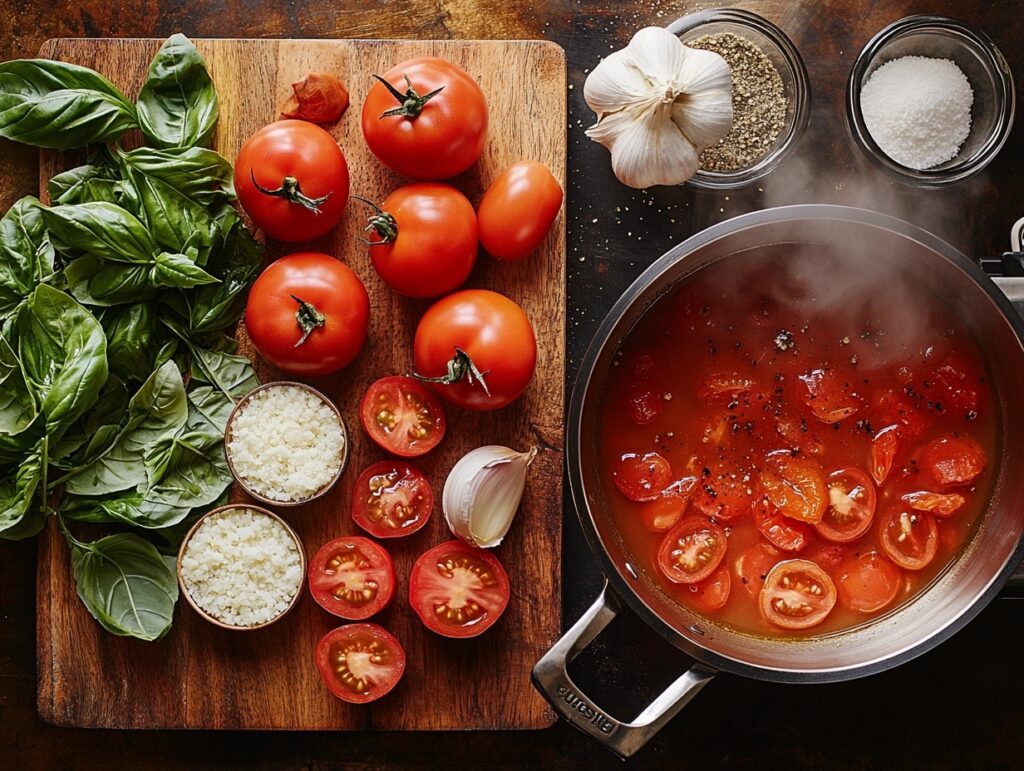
point(586, 371)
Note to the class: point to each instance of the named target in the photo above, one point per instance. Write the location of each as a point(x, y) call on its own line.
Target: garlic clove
point(659, 55)
point(616, 83)
point(644, 151)
point(704, 71)
point(705, 117)
point(482, 493)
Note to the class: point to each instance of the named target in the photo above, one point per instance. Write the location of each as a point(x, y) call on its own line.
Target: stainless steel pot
point(953, 599)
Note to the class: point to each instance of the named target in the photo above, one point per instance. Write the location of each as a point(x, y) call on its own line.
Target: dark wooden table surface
point(956, 707)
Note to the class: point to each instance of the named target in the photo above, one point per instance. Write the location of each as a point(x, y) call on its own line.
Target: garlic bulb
point(658, 104)
point(482, 493)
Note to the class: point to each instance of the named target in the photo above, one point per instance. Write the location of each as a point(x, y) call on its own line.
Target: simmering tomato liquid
point(787, 406)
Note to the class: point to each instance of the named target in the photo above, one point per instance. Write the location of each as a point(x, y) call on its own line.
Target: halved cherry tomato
point(402, 416)
point(292, 179)
point(423, 239)
point(391, 499)
point(725, 491)
point(827, 554)
point(781, 531)
point(458, 591)
point(909, 538)
point(352, 577)
point(954, 386)
point(796, 487)
point(425, 118)
point(663, 512)
point(868, 583)
point(711, 594)
point(723, 386)
point(797, 594)
point(829, 395)
point(799, 435)
point(884, 446)
point(939, 504)
point(954, 460)
point(851, 506)
point(518, 209)
point(892, 408)
point(642, 477)
point(691, 550)
point(476, 348)
point(359, 663)
point(752, 567)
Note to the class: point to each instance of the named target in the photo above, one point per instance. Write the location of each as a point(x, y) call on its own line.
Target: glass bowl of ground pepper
point(770, 98)
point(931, 100)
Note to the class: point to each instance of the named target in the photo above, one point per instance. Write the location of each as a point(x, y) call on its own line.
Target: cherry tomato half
point(426, 119)
point(458, 591)
point(851, 506)
point(830, 395)
point(391, 499)
point(292, 179)
point(476, 348)
point(642, 477)
point(796, 487)
point(867, 583)
point(352, 577)
point(518, 209)
point(711, 594)
point(725, 491)
point(939, 504)
point(402, 416)
point(953, 461)
point(307, 314)
point(754, 564)
point(663, 512)
point(797, 594)
point(779, 530)
point(359, 663)
point(884, 446)
point(423, 239)
point(691, 550)
point(909, 538)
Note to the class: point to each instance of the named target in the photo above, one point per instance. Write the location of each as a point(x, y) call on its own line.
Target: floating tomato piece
point(940, 504)
point(664, 511)
point(692, 550)
point(642, 477)
point(796, 487)
point(644, 400)
point(953, 461)
point(909, 538)
point(725, 491)
point(391, 498)
point(884, 446)
point(894, 408)
point(797, 594)
point(352, 577)
point(752, 567)
point(828, 554)
point(868, 583)
point(851, 506)
point(952, 383)
point(723, 385)
point(830, 396)
point(360, 663)
point(779, 530)
point(711, 594)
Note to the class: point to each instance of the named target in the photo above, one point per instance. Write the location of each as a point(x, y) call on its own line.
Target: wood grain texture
point(203, 677)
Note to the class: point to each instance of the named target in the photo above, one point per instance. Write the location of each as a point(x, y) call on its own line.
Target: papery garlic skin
point(482, 493)
point(658, 104)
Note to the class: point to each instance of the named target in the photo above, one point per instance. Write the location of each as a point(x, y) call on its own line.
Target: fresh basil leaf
point(63, 352)
point(60, 106)
point(94, 281)
point(22, 514)
point(126, 585)
point(26, 255)
point(208, 410)
point(129, 507)
point(157, 410)
point(18, 406)
point(82, 184)
point(101, 229)
point(237, 264)
point(188, 470)
point(132, 342)
point(14, 447)
point(96, 430)
point(232, 375)
point(180, 271)
point(178, 103)
point(196, 173)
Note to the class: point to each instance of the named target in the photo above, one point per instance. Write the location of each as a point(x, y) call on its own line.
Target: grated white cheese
point(918, 110)
point(242, 567)
point(286, 444)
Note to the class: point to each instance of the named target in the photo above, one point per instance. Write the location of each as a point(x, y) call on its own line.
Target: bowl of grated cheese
point(930, 100)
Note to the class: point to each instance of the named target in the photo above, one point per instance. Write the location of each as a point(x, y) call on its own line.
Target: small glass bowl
point(796, 85)
point(979, 59)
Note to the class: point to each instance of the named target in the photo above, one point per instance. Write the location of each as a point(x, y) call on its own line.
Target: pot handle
point(551, 677)
point(1011, 286)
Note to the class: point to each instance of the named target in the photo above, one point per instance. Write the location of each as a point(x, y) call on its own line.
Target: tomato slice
point(868, 583)
point(391, 498)
point(691, 550)
point(797, 594)
point(909, 538)
point(665, 510)
point(723, 386)
point(953, 384)
point(725, 491)
point(752, 567)
point(851, 506)
point(402, 416)
point(781, 531)
point(711, 594)
point(939, 504)
point(352, 577)
point(884, 446)
point(458, 591)
point(829, 395)
point(892, 408)
point(827, 554)
point(796, 487)
point(954, 460)
point(359, 663)
point(642, 477)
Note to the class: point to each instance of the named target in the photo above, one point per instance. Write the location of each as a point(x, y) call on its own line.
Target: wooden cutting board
point(203, 677)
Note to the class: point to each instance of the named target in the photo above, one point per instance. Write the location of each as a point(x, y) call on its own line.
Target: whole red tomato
point(518, 209)
point(292, 179)
point(477, 348)
point(423, 239)
point(426, 119)
point(307, 314)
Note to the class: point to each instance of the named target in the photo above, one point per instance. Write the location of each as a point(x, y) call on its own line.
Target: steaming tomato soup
point(800, 451)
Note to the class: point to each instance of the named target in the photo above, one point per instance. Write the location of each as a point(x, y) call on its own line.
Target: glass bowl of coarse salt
point(286, 443)
point(930, 100)
point(771, 96)
point(241, 567)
